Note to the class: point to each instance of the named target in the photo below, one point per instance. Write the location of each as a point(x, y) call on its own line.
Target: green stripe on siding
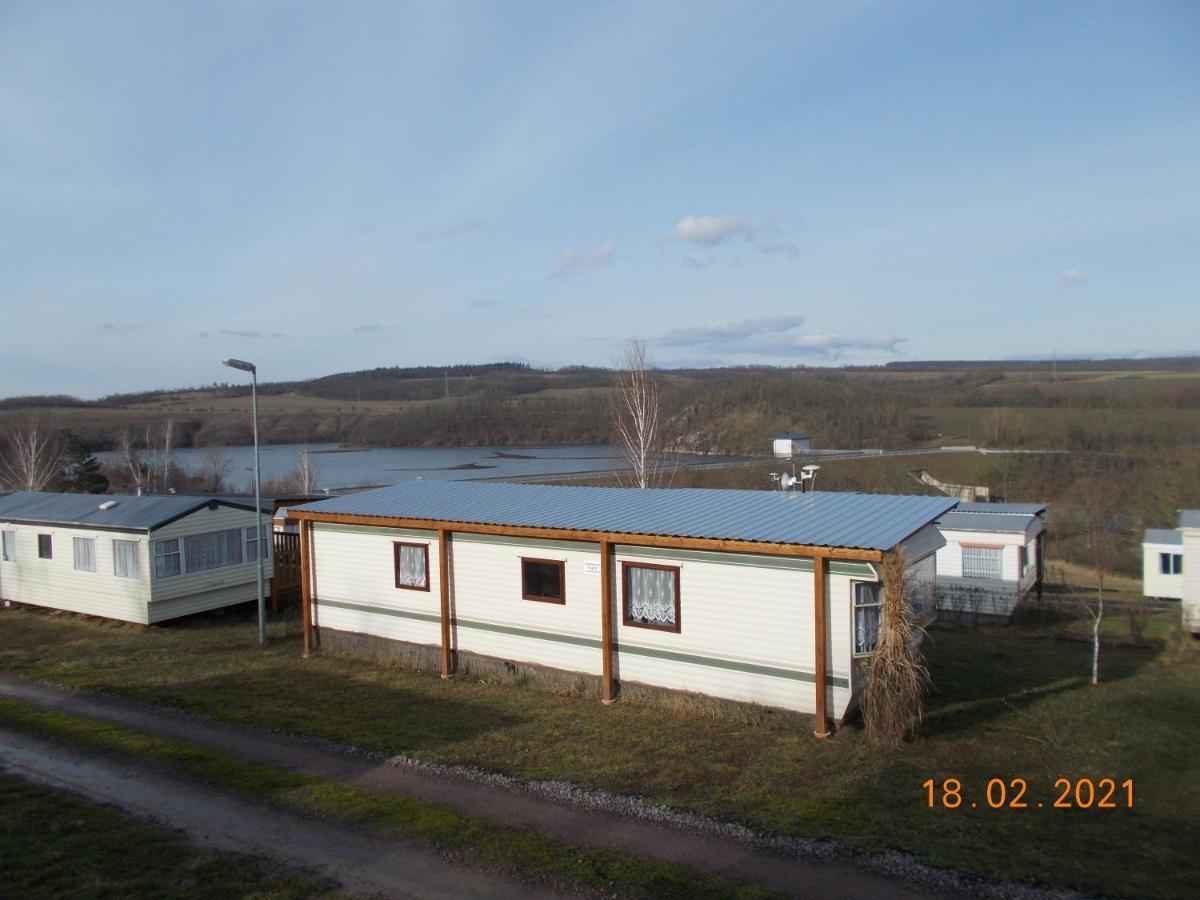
point(592, 643)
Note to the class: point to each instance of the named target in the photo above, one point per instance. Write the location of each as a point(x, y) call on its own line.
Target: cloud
point(457, 230)
point(573, 260)
point(1073, 276)
point(711, 231)
point(110, 326)
point(482, 303)
point(776, 336)
point(230, 332)
point(369, 328)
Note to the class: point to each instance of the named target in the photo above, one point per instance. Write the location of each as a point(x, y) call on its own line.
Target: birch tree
point(33, 456)
point(1097, 492)
point(637, 419)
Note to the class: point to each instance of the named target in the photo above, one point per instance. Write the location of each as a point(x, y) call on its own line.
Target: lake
point(338, 468)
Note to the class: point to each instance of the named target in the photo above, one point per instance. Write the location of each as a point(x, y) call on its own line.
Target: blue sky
point(324, 187)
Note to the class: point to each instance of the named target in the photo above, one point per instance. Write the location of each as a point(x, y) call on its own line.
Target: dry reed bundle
point(897, 677)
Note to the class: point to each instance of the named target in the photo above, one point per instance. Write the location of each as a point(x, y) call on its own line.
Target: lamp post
point(262, 603)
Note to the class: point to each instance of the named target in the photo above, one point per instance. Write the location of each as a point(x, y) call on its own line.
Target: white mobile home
point(766, 597)
point(790, 443)
point(1189, 532)
point(139, 559)
point(992, 558)
point(1162, 563)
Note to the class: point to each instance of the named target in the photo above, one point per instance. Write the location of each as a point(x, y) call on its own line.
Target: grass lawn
point(1007, 703)
point(56, 844)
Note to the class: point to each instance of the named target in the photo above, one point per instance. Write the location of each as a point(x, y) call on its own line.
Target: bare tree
point(637, 417)
point(150, 465)
point(34, 456)
point(215, 469)
point(1097, 492)
point(133, 461)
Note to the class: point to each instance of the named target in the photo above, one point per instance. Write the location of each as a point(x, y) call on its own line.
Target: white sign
point(591, 567)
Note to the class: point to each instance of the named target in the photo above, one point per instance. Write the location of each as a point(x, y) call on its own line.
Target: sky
point(326, 187)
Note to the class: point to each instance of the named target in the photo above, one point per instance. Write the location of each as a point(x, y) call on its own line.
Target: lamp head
point(240, 364)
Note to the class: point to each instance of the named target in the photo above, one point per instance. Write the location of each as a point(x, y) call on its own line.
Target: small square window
point(412, 566)
point(45, 546)
point(651, 596)
point(166, 558)
point(544, 580)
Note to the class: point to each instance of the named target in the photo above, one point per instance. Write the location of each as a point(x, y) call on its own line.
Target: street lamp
point(262, 603)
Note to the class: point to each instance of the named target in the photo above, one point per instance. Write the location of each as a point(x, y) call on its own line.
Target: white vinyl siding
point(867, 606)
point(125, 559)
point(982, 562)
point(8, 541)
point(84, 551)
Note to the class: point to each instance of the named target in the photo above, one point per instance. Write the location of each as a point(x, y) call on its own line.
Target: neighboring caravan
point(1162, 563)
point(139, 559)
point(1189, 527)
point(992, 559)
point(766, 597)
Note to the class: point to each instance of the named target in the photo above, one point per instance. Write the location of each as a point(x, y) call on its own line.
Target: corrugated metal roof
point(1019, 509)
point(861, 521)
point(973, 521)
point(130, 512)
point(1162, 536)
point(1189, 518)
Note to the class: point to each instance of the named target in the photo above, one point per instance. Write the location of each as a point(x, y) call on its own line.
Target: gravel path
point(362, 864)
point(564, 812)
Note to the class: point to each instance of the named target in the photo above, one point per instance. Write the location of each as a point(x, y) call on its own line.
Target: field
point(1007, 703)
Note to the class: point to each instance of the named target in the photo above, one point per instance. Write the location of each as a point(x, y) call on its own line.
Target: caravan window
point(9, 542)
point(867, 604)
point(125, 559)
point(213, 550)
point(651, 596)
point(1170, 563)
point(85, 554)
point(982, 562)
point(544, 580)
point(45, 546)
point(412, 566)
point(166, 558)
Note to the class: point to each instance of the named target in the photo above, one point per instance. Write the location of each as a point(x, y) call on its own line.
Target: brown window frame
point(633, 623)
point(49, 546)
point(396, 545)
point(562, 580)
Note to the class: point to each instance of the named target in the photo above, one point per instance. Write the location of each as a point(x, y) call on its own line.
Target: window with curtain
point(867, 605)
point(8, 545)
point(412, 566)
point(651, 596)
point(982, 562)
point(252, 543)
point(45, 546)
point(166, 558)
point(212, 550)
point(125, 559)
point(85, 554)
point(544, 580)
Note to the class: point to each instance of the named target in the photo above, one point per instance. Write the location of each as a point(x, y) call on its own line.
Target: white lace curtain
point(652, 595)
point(866, 617)
point(125, 559)
point(213, 550)
point(412, 566)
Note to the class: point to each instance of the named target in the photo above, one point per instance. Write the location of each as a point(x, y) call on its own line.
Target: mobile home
point(1189, 527)
point(765, 597)
point(992, 558)
point(140, 559)
point(1162, 563)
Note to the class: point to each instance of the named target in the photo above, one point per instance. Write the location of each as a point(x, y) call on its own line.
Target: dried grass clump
point(897, 677)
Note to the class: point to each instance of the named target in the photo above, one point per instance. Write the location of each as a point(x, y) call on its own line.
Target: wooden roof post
point(606, 623)
point(820, 632)
point(444, 578)
point(306, 584)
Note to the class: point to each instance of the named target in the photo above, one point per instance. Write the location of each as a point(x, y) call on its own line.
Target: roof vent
point(108, 504)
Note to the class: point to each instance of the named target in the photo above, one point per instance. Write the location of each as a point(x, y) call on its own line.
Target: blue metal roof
point(1162, 536)
point(1020, 509)
point(976, 521)
point(136, 513)
point(861, 521)
point(1189, 518)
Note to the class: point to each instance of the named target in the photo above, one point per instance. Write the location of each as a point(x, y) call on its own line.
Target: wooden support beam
point(606, 622)
point(820, 632)
point(444, 579)
point(306, 585)
point(574, 534)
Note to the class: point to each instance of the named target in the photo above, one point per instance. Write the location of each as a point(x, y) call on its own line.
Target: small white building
point(992, 558)
point(765, 597)
point(1162, 563)
point(1171, 566)
point(790, 444)
point(139, 559)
